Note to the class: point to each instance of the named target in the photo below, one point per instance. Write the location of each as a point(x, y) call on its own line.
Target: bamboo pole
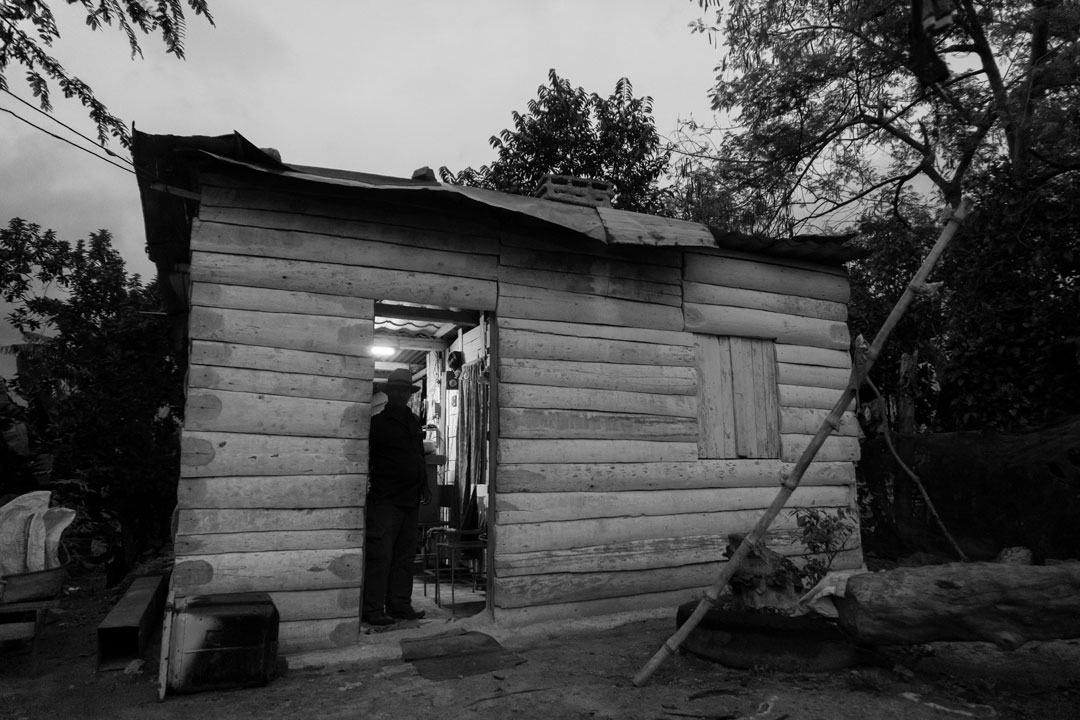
point(831, 422)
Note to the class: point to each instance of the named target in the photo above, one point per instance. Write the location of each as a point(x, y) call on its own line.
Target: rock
point(1015, 556)
point(765, 579)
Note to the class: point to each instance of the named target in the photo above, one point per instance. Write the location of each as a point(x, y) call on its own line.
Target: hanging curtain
point(471, 442)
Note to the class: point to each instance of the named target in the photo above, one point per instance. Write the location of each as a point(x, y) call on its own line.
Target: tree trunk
point(1000, 603)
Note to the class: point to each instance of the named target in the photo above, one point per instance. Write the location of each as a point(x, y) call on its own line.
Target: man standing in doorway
point(397, 486)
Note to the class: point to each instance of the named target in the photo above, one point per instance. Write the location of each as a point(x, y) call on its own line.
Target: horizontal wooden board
point(812, 376)
point(340, 336)
point(17, 631)
point(547, 346)
point(600, 451)
point(565, 535)
point(272, 491)
point(810, 397)
point(632, 555)
point(565, 242)
point(581, 424)
point(241, 412)
point(308, 635)
point(766, 277)
point(807, 421)
point(617, 477)
point(340, 211)
point(267, 571)
point(836, 448)
point(748, 323)
point(569, 612)
point(318, 604)
point(577, 587)
point(256, 357)
point(257, 520)
point(522, 301)
point(530, 590)
point(543, 396)
point(350, 280)
point(426, 230)
point(214, 454)
point(643, 554)
point(599, 376)
point(806, 355)
point(241, 297)
point(310, 246)
point(792, 262)
point(639, 290)
point(267, 382)
point(268, 541)
point(772, 301)
point(552, 507)
point(553, 260)
point(606, 332)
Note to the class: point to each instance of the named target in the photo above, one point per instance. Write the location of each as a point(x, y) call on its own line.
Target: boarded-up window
point(737, 398)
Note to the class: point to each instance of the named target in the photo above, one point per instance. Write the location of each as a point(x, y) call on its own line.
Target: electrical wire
point(69, 142)
point(64, 125)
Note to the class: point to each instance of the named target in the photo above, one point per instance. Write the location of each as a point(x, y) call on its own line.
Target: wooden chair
point(432, 518)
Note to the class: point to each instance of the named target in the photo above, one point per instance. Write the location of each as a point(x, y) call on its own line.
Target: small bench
point(24, 628)
point(125, 632)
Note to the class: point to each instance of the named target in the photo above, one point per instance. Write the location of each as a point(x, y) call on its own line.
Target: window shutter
point(738, 413)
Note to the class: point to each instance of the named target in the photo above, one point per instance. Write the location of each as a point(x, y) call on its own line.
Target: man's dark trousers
point(390, 554)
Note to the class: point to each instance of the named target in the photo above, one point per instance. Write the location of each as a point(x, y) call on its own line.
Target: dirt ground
point(575, 670)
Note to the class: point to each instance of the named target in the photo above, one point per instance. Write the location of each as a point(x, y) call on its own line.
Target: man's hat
point(400, 378)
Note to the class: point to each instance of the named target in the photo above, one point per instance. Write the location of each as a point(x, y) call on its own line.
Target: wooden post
point(832, 421)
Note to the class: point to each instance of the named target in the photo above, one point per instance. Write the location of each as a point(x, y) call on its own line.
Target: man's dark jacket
point(398, 472)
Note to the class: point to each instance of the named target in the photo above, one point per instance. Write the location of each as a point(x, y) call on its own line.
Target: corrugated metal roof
point(615, 227)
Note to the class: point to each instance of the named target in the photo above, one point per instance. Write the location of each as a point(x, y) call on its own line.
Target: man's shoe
point(406, 614)
point(378, 618)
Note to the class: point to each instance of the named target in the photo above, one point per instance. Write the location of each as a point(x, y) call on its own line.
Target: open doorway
point(447, 351)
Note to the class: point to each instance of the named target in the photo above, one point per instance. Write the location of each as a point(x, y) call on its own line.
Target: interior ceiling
point(413, 330)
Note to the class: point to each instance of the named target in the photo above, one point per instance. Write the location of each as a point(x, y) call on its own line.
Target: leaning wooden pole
point(832, 421)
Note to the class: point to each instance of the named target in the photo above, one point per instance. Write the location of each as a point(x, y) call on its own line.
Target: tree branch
point(970, 19)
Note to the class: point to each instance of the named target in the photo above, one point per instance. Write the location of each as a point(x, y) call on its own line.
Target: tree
point(841, 108)
point(1011, 343)
point(28, 28)
point(102, 384)
point(999, 346)
point(568, 131)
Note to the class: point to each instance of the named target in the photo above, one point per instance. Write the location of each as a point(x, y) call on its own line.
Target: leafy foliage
point(840, 108)
point(28, 28)
point(1000, 347)
point(1012, 343)
point(102, 384)
point(824, 534)
point(568, 131)
point(905, 372)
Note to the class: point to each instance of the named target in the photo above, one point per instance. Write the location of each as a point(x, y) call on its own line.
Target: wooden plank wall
point(602, 504)
point(274, 448)
point(803, 309)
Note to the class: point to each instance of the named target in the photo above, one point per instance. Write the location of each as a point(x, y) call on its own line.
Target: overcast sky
point(382, 87)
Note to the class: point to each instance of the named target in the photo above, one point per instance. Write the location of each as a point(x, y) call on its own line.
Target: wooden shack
point(614, 393)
